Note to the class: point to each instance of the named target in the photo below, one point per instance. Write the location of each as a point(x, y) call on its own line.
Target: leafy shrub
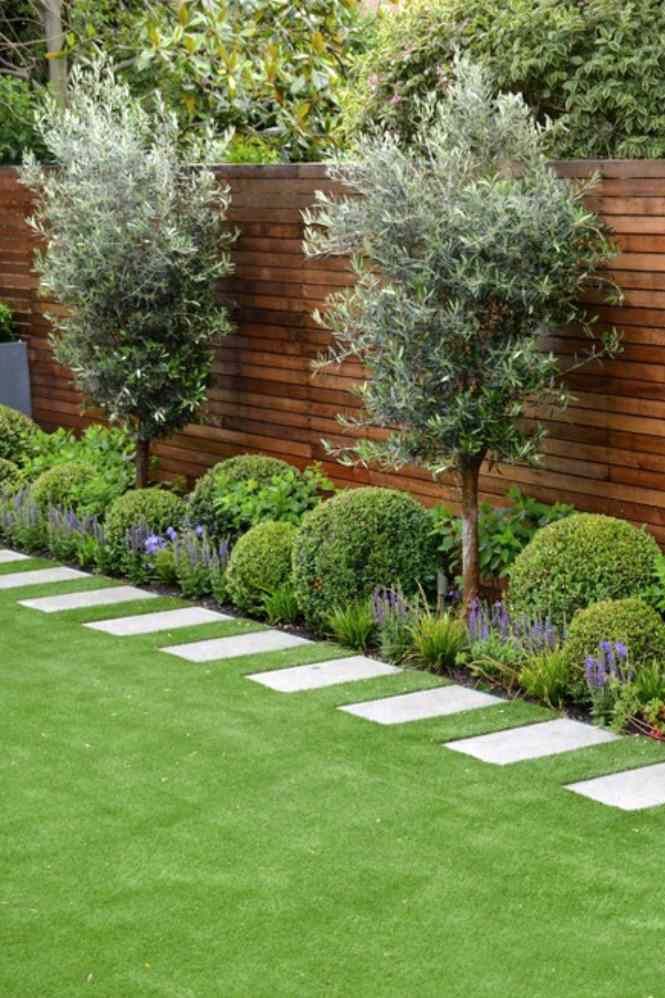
point(628, 621)
point(108, 449)
point(18, 435)
point(10, 477)
point(353, 625)
point(63, 486)
point(212, 486)
point(437, 640)
point(7, 326)
point(574, 63)
point(259, 564)
point(250, 149)
point(578, 561)
point(360, 539)
point(18, 132)
point(154, 510)
point(547, 677)
point(285, 498)
point(503, 532)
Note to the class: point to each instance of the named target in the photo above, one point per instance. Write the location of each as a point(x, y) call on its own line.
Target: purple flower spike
point(621, 650)
point(171, 533)
point(199, 531)
point(153, 544)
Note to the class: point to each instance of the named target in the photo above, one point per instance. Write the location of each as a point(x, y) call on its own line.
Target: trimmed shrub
point(629, 621)
point(10, 477)
point(154, 509)
point(360, 539)
point(259, 564)
point(62, 485)
point(579, 561)
point(243, 468)
point(18, 435)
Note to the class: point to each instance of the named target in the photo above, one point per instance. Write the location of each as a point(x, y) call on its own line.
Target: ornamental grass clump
point(468, 252)
point(578, 561)
point(135, 242)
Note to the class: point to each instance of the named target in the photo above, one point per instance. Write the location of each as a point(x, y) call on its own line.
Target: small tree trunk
point(55, 41)
point(470, 472)
point(142, 463)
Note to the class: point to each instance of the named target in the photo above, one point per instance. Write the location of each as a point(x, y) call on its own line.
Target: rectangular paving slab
point(79, 601)
point(232, 647)
point(422, 704)
point(315, 677)
point(165, 620)
point(532, 741)
point(7, 556)
point(40, 577)
point(632, 790)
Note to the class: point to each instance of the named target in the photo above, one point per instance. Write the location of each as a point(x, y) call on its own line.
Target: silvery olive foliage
point(135, 241)
point(468, 252)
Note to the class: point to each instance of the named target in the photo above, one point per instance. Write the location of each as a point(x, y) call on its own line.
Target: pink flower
point(395, 99)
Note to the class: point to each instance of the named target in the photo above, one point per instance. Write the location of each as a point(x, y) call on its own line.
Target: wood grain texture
point(606, 453)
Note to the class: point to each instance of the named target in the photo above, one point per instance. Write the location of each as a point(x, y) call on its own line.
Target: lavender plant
point(393, 617)
point(199, 562)
point(22, 522)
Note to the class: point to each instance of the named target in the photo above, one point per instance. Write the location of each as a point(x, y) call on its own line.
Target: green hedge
point(62, 485)
point(578, 561)
point(630, 621)
point(594, 68)
point(10, 477)
point(156, 509)
point(260, 563)
point(18, 435)
point(360, 539)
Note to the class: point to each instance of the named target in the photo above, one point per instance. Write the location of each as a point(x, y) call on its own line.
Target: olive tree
point(467, 252)
point(135, 240)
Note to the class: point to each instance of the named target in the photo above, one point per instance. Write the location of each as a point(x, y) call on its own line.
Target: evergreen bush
point(629, 621)
point(577, 561)
point(154, 509)
point(356, 541)
point(260, 564)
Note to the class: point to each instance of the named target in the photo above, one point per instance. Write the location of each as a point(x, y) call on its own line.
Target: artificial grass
point(173, 829)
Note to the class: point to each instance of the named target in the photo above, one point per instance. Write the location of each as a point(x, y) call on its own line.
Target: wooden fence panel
point(606, 453)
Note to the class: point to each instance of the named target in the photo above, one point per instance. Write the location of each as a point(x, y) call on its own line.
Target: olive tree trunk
point(469, 473)
point(54, 34)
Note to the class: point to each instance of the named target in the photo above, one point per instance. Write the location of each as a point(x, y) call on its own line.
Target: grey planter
point(15, 377)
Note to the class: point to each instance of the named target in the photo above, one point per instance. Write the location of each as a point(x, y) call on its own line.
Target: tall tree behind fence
point(606, 454)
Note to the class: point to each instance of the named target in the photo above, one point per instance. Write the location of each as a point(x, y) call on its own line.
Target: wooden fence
point(606, 453)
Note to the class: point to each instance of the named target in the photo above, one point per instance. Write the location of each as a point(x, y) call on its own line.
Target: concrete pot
point(15, 377)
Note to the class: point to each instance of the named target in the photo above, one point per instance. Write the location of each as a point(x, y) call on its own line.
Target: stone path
point(95, 597)
point(425, 703)
point(165, 620)
point(40, 577)
point(632, 790)
point(9, 556)
point(315, 677)
point(240, 644)
point(533, 741)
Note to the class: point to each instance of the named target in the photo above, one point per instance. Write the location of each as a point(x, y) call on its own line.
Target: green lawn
point(172, 829)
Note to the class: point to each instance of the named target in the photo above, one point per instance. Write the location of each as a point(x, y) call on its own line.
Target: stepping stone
point(532, 741)
point(315, 677)
point(418, 706)
point(167, 620)
point(7, 556)
point(232, 647)
point(631, 791)
point(95, 597)
point(40, 577)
